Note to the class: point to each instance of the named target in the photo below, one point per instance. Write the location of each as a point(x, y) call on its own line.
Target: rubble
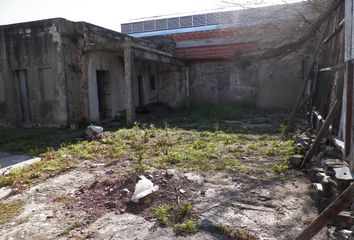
point(296, 160)
point(330, 176)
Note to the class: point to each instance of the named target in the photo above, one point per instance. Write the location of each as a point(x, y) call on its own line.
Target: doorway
point(141, 90)
point(21, 79)
point(103, 94)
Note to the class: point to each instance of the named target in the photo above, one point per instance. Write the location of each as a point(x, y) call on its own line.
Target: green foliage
point(188, 227)
point(162, 213)
point(280, 169)
point(282, 129)
point(234, 234)
point(181, 218)
point(211, 146)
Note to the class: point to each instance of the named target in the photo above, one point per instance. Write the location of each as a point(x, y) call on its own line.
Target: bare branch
point(290, 47)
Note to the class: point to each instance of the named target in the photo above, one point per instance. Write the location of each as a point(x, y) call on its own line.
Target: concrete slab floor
point(10, 161)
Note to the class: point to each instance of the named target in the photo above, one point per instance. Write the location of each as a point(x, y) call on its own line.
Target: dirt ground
point(234, 186)
point(54, 209)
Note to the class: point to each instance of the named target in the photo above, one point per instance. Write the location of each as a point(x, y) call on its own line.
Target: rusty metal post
point(129, 83)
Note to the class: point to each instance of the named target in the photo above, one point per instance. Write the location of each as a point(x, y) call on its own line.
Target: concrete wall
point(173, 86)
point(219, 76)
point(100, 61)
point(37, 49)
point(280, 82)
point(146, 70)
point(223, 83)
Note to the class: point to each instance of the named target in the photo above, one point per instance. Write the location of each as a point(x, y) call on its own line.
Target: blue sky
point(105, 13)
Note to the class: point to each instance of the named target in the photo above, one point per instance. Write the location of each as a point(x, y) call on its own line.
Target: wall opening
point(103, 94)
point(141, 90)
point(2, 89)
point(152, 82)
point(21, 79)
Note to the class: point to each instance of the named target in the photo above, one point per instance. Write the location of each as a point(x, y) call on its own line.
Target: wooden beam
point(349, 110)
point(335, 32)
point(316, 144)
point(328, 214)
point(293, 112)
point(129, 80)
point(333, 68)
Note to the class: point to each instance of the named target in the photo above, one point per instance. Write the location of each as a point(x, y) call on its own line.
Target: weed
point(162, 213)
point(181, 218)
point(234, 234)
point(188, 227)
point(282, 129)
point(280, 169)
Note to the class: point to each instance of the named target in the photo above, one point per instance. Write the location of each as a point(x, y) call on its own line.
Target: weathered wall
point(173, 86)
point(280, 82)
point(145, 70)
point(223, 83)
point(100, 61)
point(219, 76)
point(37, 49)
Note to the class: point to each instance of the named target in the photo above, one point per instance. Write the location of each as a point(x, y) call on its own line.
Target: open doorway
point(104, 94)
point(141, 90)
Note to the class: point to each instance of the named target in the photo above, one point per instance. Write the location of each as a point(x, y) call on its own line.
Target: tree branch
point(292, 46)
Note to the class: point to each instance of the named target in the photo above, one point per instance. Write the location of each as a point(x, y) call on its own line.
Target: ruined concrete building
point(56, 72)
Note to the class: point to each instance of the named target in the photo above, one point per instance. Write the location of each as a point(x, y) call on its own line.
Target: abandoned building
point(56, 72)
point(213, 41)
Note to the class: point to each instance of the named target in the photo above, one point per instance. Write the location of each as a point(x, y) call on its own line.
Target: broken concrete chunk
point(194, 177)
point(93, 130)
point(171, 172)
point(143, 188)
point(318, 187)
point(343, 173)
point(296, 160)
point(330, 164)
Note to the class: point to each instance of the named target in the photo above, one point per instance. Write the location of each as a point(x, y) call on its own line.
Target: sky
point(106, 13)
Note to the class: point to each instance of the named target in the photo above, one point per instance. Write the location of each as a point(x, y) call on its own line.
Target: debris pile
point(330, 176)
point(114, 193)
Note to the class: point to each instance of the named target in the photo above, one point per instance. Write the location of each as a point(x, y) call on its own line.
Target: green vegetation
point(234, 234)
point(9, 210)
point(182, 218)
point(190, 140)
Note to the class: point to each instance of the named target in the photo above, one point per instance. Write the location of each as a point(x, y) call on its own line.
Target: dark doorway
point(104, 94)
point(21, 78)
point(141, 90)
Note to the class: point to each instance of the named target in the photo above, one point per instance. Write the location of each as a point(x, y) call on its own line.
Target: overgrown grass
point(206, 148)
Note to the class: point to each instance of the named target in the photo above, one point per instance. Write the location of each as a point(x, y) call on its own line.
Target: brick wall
point(226, 51)
point(221, 44)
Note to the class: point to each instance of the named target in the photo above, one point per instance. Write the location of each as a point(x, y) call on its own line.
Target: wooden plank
point(349, 110)
point(293, 112)
point(333, 68)
point(316, 144)
point(328, 214)
point(335, 32)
